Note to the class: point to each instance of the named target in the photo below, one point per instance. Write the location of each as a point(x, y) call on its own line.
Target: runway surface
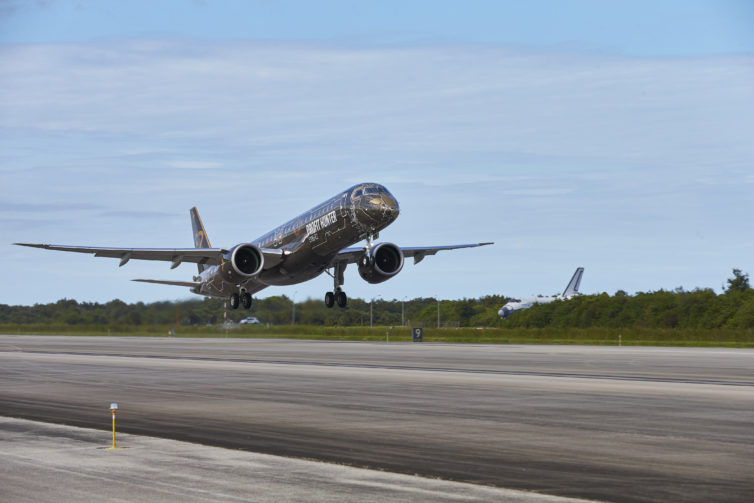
point(49, 463)
point(605, 423)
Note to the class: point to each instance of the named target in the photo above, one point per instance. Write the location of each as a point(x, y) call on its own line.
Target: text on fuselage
point(321, 223)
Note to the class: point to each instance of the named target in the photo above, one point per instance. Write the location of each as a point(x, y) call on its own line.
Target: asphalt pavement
point(603, 423)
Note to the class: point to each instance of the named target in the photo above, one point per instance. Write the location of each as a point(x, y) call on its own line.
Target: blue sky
point(639, 27)
point(618, 136)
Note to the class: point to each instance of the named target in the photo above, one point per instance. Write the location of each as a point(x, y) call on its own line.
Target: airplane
point(518, 304)
point(319, 240)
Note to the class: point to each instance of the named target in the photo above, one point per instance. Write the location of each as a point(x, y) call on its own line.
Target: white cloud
point(395, 102)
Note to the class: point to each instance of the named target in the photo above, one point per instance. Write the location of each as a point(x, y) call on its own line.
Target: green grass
point(735, 338)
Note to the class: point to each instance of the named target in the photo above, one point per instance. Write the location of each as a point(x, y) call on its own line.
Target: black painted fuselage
point(310, 241)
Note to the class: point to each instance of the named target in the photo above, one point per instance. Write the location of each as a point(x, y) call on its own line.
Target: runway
point(605, 423)
point(49, 463)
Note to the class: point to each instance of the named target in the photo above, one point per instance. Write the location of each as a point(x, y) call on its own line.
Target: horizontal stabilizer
point(189, 284)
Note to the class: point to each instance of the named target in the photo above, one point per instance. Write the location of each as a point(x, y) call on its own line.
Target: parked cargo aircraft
point(312, 243)
point(519, 304)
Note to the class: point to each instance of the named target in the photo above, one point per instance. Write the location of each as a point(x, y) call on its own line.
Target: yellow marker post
point(113, 409)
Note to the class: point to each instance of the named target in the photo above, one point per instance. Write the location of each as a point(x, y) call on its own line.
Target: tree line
point(698, 309)
point(275, 310)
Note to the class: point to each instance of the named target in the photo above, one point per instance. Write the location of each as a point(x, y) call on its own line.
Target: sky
point(613, 135)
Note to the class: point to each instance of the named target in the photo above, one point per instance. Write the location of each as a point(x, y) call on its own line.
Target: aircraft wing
point(353, 255)
point(209, 256)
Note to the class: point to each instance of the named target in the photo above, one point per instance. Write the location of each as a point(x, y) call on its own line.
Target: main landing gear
point(244, 298)
point(337, 295)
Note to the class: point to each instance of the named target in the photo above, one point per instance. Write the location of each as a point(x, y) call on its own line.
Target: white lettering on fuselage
point(321, 223)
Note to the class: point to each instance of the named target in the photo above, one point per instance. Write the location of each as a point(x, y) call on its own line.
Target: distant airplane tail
point(573, 285)
point(200, 235)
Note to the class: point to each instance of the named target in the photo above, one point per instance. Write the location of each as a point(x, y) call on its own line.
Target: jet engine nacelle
point(381, 263)
point(241, 263)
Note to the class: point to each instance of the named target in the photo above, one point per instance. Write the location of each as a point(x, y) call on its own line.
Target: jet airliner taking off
point(303, 248)
point(519, 304)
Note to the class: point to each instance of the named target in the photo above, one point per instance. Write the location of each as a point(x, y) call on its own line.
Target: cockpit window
point(357, 194)
point(371, 190)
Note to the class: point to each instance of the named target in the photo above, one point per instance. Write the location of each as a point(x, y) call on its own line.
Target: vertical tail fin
point(200, 235)
point(573, 285)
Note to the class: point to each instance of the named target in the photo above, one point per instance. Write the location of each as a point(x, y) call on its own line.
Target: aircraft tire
point(329, 299)
point(235, 300)
point(341, 299)
point(246, 300)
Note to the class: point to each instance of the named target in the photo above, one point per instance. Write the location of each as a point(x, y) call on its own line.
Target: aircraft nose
point(378, 208)
point(390, 205)
point(392, 209)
